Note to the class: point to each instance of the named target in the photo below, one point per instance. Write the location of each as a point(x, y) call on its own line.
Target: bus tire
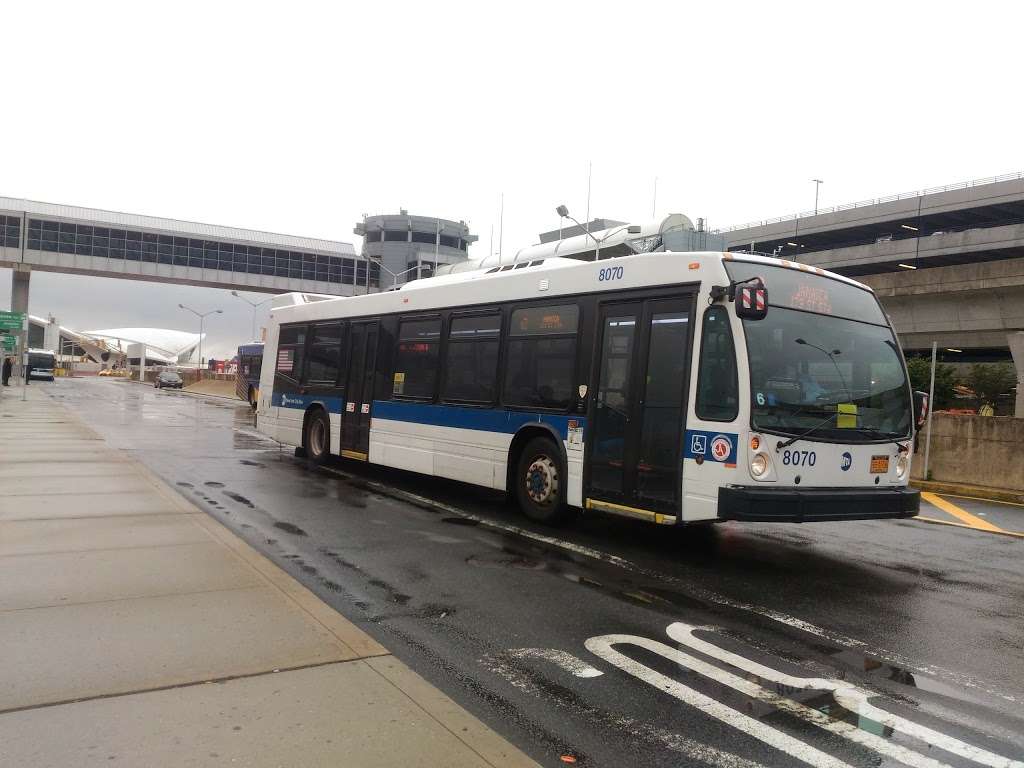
point(317, 437)
point(540, 482)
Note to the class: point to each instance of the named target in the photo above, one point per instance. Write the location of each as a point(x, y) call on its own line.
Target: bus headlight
point(759, 465)
point(901, 466)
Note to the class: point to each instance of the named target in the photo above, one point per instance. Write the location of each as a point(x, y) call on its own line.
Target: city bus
point(247, 377)
point(673, 387)
point(41, 363)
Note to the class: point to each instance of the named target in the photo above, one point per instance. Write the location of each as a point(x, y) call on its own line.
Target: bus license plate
point(879, 465)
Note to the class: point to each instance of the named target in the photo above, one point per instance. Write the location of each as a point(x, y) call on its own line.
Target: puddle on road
point(509, 560)
point(213, 484)
point(240, 499)
point(460, 521)
point(290, 528)
point(249, 463)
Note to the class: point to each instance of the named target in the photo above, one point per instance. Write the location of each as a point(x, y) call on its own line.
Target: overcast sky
point(300, 117)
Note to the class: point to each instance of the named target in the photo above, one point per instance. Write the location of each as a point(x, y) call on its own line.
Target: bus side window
point(540, 361)
point(291, 347)
point(416, 359)
point(323, 354)
point(717, 385)
point(471, 372)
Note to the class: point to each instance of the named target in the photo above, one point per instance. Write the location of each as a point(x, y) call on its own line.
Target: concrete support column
point(51, 335)
point(139, 351)
point(1016, 341)
point(20, 276)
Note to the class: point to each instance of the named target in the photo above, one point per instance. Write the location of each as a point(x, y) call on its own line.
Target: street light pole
point(633, 229)
point(817, 186)
point(394, 275)
point(931, 409)
point(202, 317)
point(252, 304)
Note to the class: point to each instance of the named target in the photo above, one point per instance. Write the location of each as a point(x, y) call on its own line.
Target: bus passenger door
point(359, 378)
point(635, 453)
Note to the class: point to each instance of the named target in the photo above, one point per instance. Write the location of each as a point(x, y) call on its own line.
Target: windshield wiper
point(889, 436)
point(805, 433)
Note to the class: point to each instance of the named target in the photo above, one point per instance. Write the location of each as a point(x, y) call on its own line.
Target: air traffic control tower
point(408, 246)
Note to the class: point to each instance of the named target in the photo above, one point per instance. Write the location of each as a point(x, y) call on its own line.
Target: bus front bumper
point(791, 505)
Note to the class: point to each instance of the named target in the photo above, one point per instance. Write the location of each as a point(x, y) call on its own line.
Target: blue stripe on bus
point(461, 417)
point(333, 404)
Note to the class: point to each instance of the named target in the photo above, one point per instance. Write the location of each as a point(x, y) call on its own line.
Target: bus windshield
point(842, 378)
point(40, 361)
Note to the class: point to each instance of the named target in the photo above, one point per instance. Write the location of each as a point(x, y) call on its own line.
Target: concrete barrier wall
point(978, 450)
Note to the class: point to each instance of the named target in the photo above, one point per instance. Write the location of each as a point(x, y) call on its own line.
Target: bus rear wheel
point(540, 484)
point(318, 437)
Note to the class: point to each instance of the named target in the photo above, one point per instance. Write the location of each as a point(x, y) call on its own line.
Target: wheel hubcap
point(316, 437)
point(542, 480)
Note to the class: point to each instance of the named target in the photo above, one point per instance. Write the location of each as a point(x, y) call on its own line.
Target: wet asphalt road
point(927, 619)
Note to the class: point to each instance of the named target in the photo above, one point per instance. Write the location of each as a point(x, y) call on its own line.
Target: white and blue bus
point(671, 387)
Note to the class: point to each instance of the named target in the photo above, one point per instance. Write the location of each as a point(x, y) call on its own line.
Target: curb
point(970, 491)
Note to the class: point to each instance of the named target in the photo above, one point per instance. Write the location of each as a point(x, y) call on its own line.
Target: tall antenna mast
point(501, 230)
point(590, 173)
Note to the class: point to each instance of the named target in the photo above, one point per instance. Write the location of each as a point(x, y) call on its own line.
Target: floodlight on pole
point(202, 317)
point(633, 229)
point(254, 305)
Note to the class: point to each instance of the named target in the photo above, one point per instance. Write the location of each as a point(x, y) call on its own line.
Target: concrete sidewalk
point(136, 630)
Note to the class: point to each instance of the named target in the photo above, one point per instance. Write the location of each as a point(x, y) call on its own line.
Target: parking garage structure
point(947, 263)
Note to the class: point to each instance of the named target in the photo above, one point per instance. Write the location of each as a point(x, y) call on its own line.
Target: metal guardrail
point(876, 201)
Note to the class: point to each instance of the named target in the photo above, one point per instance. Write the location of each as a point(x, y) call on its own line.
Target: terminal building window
point(10, 229)
point(130, 245)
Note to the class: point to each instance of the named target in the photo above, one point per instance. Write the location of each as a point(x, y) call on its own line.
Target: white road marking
point(603, 648)
point(563, 659)
point(847, 695)
point(636, 729)
point(698, 592)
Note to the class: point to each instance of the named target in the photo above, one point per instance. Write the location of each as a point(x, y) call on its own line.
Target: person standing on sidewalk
point(7, 372)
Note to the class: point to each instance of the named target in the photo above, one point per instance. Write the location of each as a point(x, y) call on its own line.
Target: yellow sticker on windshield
point(847, 418)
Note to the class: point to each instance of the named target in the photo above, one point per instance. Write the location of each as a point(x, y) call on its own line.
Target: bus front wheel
point(540, 483)
point(318, 437)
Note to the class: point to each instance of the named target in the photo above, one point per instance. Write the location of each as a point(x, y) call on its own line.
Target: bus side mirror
point(920, 408)
point(752, 301)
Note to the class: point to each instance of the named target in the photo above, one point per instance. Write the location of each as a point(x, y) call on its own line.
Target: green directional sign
point(8, 342)
point(12, 320)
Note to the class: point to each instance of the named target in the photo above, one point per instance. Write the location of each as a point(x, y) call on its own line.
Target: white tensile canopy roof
point(162, 344)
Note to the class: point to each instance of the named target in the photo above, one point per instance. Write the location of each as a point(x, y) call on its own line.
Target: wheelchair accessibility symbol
point(698, 444)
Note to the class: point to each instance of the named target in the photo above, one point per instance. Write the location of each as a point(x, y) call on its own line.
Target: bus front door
point(359, 378)
point(634, 450)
